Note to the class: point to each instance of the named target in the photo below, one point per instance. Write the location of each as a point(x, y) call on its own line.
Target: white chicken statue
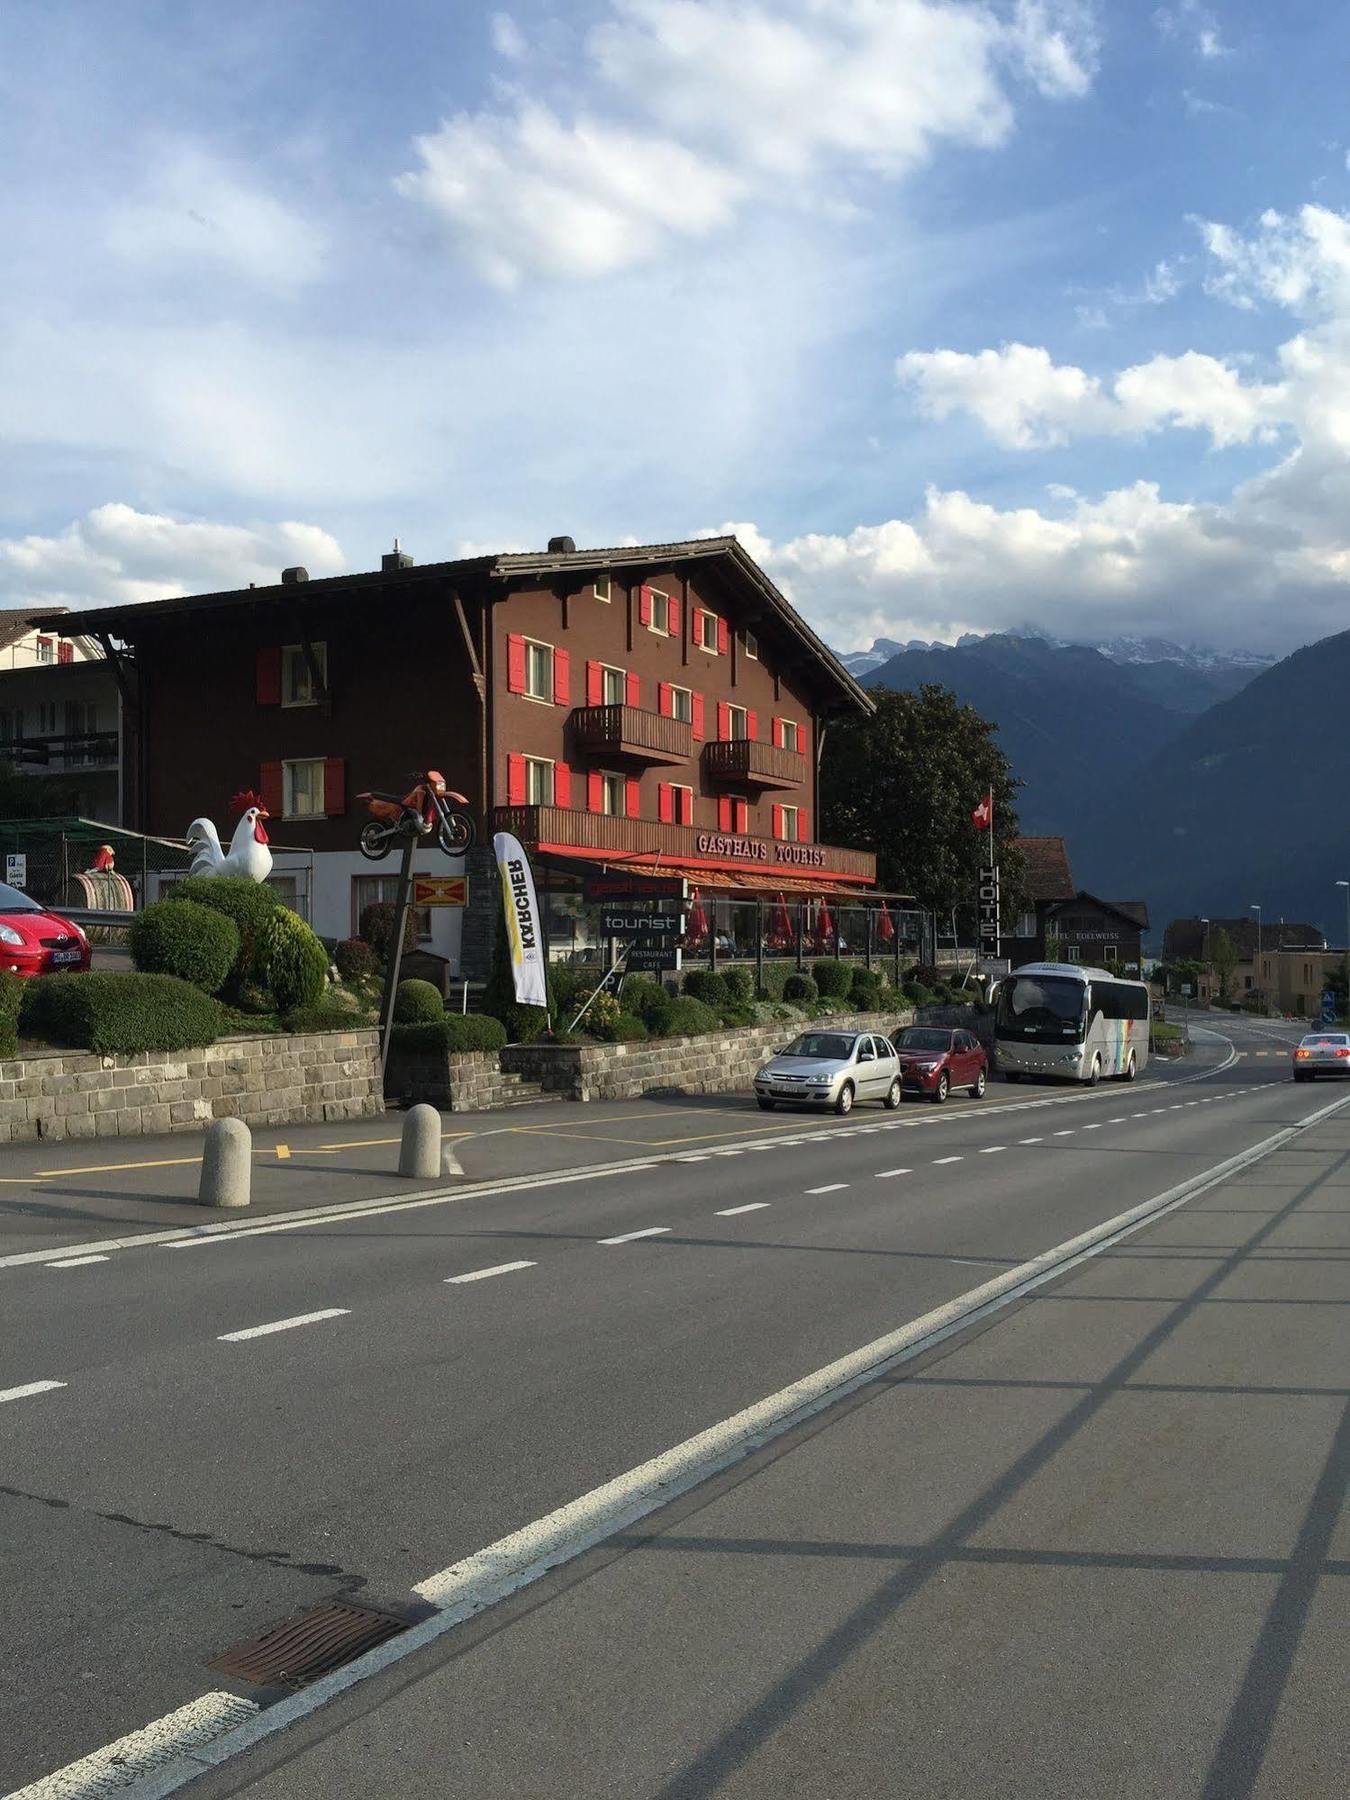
point(249, 855)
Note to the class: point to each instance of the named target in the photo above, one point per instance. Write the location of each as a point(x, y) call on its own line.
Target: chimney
point(562, 546)
point(395, 559)
point(289, 577)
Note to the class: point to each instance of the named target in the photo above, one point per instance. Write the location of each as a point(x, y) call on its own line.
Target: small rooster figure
point(103, 861)
point(249, 854)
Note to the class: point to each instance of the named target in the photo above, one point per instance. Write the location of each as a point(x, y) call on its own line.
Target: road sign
point(640, 924)
point(1328, 1008)
point(16, 868)
point(651, 959)
point(440, 890)
point(622, 887)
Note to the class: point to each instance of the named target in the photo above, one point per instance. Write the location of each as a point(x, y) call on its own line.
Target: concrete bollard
point(419, 1151)
point(227, 1164)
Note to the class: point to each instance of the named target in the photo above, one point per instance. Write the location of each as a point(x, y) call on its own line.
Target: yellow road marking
point(283, 1152)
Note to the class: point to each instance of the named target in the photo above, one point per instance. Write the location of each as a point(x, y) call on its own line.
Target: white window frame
point(791, 817)
point(606, 670)
point(790, 725)
point(614, 787)
point(750, 645)
point(601, 589)
point(539, 792)
point(45, 650)
point(1073, 953)
point(707, 620)
point(677, 788)
point(687, 695)
point(532, 644)
point(733, 708)
point(288, 792)
point(659, 611)
point(295, 673)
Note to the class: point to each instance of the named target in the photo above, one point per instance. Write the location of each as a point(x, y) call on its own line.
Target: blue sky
point(966, 316)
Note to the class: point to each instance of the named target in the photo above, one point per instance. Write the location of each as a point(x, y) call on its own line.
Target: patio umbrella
point(885, 927)
point(697, 926)
point(824, 924)
point(782, 922)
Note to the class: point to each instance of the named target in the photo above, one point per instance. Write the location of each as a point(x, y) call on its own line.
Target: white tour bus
point(1073, 1022)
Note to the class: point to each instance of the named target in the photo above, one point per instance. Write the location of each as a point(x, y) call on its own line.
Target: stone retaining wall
point(715, 1063)
point(462, 1081)
point(265, 1080)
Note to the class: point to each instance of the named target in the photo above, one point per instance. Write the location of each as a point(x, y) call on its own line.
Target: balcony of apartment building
point(744, 762)
point(61, 753)
point(630, 734)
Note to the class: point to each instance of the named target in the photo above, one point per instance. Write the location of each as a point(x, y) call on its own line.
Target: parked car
point(934, 1060)
point(34, 941)
point(831, 1068)
point(1322, 1053)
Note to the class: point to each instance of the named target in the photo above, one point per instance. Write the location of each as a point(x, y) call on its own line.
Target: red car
point(34, 941)
point(934, 1060)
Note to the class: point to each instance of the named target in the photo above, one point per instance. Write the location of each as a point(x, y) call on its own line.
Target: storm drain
point(301, 1649)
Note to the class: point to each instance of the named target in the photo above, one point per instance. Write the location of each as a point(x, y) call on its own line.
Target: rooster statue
point(248, 855)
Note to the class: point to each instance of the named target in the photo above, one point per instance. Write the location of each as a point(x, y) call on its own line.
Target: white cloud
point(694, 111)
point(1195, 24)
point(508, 40)
point(116, 555)
point(194, 213)
point(1300, 263)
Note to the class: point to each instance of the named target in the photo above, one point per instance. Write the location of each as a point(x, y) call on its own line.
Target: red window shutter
point(724, 812)
point(644, 606)
point(515, 780)
point(723, 721)
point(665, 702)
point(272, 787)
point(673, 616)
point(65, 652)
point(778, 734)
point(686, 806)
point(562, 677)
point(803, 834)
point(742, 815)
point(595, 793)
point(723, 637)
point(696, 624)
point(631, 797)
point(696, 709)
point(665, 802)
point(634, 688)
point(515, 664)
point(777, 821)
point(269, 677)
point(562, 784)
point(334, 785)
point(594, 686)
point(752, 727)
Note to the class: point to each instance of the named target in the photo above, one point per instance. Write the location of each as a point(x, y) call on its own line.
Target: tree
point(904, 782)
point(1224, 957)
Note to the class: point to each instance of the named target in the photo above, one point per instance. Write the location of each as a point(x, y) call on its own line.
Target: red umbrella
point(697, 926)
point(886, 928)
point(782, 922)
point(824, 923)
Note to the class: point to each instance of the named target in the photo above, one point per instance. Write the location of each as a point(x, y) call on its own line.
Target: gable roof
point(120, 621)
point(1048, 876)
point(1134, 912)
point(18, 621)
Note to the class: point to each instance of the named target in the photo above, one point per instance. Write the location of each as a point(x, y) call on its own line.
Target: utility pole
point(1257, 910)
point(1204, 948)
point(1346, 886)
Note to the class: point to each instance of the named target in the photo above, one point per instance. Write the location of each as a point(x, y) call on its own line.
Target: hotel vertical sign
point(988, 910)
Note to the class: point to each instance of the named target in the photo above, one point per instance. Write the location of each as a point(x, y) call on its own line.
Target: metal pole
point(759, 944)
point(801, 933)
point(867, 942)
point(395, 957)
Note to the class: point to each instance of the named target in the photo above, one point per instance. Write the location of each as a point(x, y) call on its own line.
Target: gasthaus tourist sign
point(524, 928)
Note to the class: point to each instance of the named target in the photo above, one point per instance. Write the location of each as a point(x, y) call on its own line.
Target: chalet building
point(59, 709)
point(1067, 924)
point(659, 708)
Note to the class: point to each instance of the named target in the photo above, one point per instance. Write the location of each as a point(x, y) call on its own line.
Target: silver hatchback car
point(831, 1068)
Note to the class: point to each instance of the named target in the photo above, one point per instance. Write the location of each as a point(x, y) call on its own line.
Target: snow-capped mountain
point(1131, 652)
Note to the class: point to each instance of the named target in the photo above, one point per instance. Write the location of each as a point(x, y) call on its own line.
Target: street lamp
point(1204, 948)
point(1257, 910)
point(1346, 886)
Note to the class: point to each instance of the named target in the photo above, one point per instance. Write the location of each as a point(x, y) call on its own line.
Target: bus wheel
point(1130, 1070)
point(1096, 1074)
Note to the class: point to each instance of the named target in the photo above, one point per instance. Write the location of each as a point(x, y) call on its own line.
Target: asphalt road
point(194, 1480)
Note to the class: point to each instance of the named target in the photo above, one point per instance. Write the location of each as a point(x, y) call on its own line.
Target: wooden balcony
point(628, 733)
point(646, 842)
point(739, 762)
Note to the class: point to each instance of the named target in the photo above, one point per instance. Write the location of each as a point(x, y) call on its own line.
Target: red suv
point(934, 1060)
point(34, 941)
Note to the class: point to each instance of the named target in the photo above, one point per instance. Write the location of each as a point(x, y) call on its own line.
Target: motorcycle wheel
point(375, 840)
point(457, 833)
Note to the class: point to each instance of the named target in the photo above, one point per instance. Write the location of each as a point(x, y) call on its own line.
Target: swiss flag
point(983, 816)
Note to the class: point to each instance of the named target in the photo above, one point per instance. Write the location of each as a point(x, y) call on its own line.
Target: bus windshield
point(1053, 1003)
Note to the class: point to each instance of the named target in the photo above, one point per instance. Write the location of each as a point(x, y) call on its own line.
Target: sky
point(965, 317)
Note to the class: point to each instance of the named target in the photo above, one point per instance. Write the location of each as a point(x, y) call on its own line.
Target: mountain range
point(1201, 780)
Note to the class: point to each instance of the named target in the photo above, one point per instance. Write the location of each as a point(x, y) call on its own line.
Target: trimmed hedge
point(324, 1018)
point(865, 990)
point(250, 904)
point(356, 960)
point(11, 999)
point(627, 1029)
point(800, 987)
point(740, 983)
point(294, 964)
point(452, 1032)
point(184, 938)
point(708, 986)
point(117, 1015)
point(832, 977)
point(417, 1003)
point(689, 1017)
point(645, 999)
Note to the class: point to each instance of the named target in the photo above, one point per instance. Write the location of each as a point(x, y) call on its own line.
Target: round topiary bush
point(184, 938)
point(865, 992)
point(800, 987)
point(250, 904)
point(417, 1003)
point(356, 960)
point(627, 1029)
point(689, 1017)
point(833, 978)
point(740, 982)
point(706, 985)
point(292, 963)
point(649, 1002)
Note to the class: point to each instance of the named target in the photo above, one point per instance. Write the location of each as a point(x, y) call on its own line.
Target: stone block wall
point(264, 1080)
point(465, 1081)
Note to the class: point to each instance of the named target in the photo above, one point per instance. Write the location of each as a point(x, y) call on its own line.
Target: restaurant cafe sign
point(749, 849)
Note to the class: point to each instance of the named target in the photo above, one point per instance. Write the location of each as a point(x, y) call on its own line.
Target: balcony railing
point(628, 731)
point(58, 755)
point(593, 834)
point(749, 764)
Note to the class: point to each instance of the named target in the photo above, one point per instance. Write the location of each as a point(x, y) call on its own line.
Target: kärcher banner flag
point(524, 928)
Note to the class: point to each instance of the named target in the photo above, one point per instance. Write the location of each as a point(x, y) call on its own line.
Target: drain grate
point(300, 1649)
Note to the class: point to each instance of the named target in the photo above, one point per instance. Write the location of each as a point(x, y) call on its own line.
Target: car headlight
point(8, 935)
point(821, 1080)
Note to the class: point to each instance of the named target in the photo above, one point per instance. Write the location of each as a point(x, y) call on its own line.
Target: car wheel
point(943, 1088)
point(978, 1087)
point(844, 1104)
point(765, 1105)
point(894, 1094)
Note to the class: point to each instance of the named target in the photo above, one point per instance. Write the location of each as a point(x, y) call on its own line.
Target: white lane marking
point(629, 1237)
point(254, 1331)
point(483, 1274)
point(29, 1387)
point(1068, 1133)
point(1096, 1127)
point(729, 1212)
point(831, 1187)
point(939, 1160)
point(886, 1174)
point(1119, 1121)
point(701, 1157)
point(123, 1765)
point(77, 1262)
point(729, 1152)
point(1031, 1140)
point(993, 1150)
point(1142, 1115)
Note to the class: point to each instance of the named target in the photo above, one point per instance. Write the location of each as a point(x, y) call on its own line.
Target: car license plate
point(65, 956)
point(789, 1087)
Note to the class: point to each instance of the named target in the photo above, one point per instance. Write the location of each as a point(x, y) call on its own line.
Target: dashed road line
point(831, 1187)
point(77, 1262)
point(1068, 1133)
point(255, 1331)
point(729, 1212)
point(886, 1174)
point(629, 1237)
point(1034, 1140)
point(29, 1388)
point(483, 1274)
point(994, 1150)
point(938, 1161)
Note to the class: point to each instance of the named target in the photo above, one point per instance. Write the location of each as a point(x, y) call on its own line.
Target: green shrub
point(734, 1015)
point(324, 1018)
point(800, 987)
point(627, 1029)
point(417, 1002)
point(523, 1023)
point(740, 982)
point(184, 938)
point(833, 978)
point(647, 1000)
point(11, 1001)
point(293, 964)
point(453, 1033)
point(250, 904)
point(707, 985)
point(376, 926)
point(865, 991)
point(115, 1015)
point(689, 1017)
point(356, 960)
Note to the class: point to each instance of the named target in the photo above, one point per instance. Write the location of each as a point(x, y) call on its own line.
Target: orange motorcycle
point(428, 809)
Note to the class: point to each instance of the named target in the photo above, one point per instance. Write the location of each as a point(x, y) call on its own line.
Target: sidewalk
point(1095, 1550)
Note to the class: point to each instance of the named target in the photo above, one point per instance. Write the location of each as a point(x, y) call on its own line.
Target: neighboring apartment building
point(656, 708)
point(1068, 924)
point(1289, 971)
point(60, 708)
